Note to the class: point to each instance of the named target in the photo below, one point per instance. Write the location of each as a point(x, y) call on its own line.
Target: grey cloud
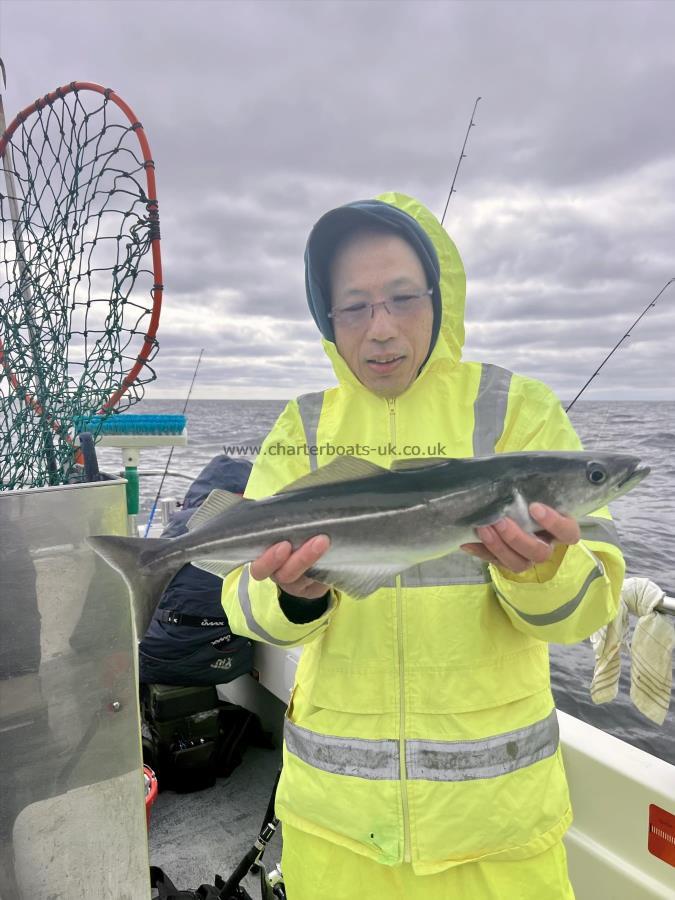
point(263, 115)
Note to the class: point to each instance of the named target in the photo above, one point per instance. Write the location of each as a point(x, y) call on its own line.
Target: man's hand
point(287, 569)
point(505, 544)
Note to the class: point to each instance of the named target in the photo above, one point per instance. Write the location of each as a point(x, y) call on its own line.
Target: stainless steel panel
point(72, 817)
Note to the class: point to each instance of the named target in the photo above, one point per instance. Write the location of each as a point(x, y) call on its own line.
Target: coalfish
point(380, 521)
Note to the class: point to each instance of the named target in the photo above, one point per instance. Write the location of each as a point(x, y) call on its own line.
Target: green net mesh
point(77, 283)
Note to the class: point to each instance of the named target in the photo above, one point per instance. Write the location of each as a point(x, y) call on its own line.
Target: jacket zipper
point(401, 679)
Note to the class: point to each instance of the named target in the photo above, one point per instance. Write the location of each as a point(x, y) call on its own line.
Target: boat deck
point(193, 836)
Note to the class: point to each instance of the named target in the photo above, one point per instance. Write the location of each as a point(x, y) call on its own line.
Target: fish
point(380, 521)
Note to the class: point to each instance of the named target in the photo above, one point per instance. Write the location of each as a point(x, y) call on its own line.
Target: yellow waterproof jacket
point(422, 726)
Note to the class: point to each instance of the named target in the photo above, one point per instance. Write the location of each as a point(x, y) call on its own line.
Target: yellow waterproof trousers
point(315, 869)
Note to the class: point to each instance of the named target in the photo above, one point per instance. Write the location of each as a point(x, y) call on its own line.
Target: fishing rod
point(168, 462)
point(462, 156)
point(649, 306)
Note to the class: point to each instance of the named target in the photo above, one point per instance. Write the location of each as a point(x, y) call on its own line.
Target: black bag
point(239, 729)
point(189, 640)
point(167, 890)
point(190, 737)
point(166, 702)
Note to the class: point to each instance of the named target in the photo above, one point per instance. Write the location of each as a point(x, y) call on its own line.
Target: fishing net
point(80, 276)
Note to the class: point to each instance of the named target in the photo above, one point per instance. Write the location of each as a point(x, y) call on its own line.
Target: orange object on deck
point(151, 789)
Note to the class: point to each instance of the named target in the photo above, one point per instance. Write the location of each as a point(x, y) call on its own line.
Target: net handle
point(151, 206)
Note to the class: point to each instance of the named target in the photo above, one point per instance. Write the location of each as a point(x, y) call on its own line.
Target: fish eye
point(596, 473)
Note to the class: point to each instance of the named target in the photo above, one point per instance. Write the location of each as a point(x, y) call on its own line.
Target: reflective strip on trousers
point(310, 412)
point(377, 760)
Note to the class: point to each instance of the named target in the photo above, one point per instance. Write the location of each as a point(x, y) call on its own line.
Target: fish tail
point(130, 557)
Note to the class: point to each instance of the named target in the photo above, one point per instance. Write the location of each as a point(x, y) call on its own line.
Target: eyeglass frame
point(335, 314)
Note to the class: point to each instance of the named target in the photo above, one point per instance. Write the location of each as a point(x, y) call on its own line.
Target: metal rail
point(162, 472)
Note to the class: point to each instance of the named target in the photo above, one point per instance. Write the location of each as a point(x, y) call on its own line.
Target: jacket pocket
point(485, 684)
point(352, 691)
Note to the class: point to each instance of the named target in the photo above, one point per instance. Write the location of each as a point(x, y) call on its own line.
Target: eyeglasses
point(401, 306)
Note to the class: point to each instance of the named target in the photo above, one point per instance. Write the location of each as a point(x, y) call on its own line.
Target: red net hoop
point(80, 278)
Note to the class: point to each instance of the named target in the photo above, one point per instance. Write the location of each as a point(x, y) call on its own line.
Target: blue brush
point(131, 424)
point(132, 433)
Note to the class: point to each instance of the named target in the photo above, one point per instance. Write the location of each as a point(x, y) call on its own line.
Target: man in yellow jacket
point(421, 755)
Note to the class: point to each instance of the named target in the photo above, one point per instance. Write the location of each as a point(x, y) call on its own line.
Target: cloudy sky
point(262, 115)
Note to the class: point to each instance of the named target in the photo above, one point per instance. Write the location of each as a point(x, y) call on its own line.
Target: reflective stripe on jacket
point(422, 726)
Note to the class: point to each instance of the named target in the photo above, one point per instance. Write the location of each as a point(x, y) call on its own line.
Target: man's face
point(386, 351)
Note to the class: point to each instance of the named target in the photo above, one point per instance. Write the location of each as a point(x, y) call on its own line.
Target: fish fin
point(357, 582)
point(219, 567)
point(346, 468)
point(127, 554)
point(402, 465)
point(217, 502)
point(489, 514)
point(519, 511)
point(130, 556)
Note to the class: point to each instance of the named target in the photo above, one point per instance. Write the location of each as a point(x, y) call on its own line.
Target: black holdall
point(185, 648)
point(181, 732)
point(190, 737)
point(189, 640)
